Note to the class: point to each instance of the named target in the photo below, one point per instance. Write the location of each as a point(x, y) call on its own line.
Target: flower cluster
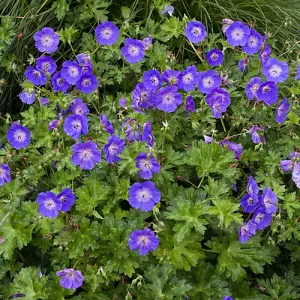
point(292, 165)
point(261, 208)
point(49, 204)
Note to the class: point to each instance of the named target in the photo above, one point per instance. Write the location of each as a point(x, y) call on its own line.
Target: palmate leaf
point(281, 288)
point(225, 210)
point(188, 216)
point(30, 284)
point(163, 283)
point(234, 257)
point(206, 283)
point(209, 159)
point(181, 255)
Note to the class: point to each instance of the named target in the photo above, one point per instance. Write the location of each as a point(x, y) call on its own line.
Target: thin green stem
point(199, 185)
point(223, 125)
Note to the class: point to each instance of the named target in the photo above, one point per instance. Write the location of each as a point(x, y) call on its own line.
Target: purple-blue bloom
point(70, 278)
point(147, 135)
point(4, 174)
point(219, 101)
point(237, 34)
point(143, 240)
point(107, 33)
point(54, 123)
point(195, 32)
point(256, 138)
point(86, 155)
point(252, 88)
point(189, 105)
point(46, 64)
point(71, 71)
point(75, 125)
point(171, 77)
point(132, 130)
point(282, 111)
point(169, 9)
point(252, 186)
point(106, 124)
point(144, 195)
point(243, 64)
point(147, 165)
point(269, 200)
point(152, 80)
point(246, 232)
point(168, 99)
point(268, 92)
point(265, 54)
point(46, 40)
point(142, 98)
point(188, 79)
point(286, 165)
point(133, 50)
point(87, 83)
point(208, 81)
point(78, 107)
point(44, 101)
point(123, 103)
point(215, 57)
point(250, 203)
point(296, 174)
point(115, 145)
point(67, 198)
point(18, 136)
point(147, 42)
point(48, 205)
point(35, 76)
point(298, 73)
point(275, 71)
point(59, 84)
point(26, 97)
point(84, 59)
point(254, 42)
point(208, 139)
point(227, 298)
point(236, 148)
point(261, 218)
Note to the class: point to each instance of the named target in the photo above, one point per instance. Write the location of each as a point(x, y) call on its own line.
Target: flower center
point(60, 81)
point(133, 50)
point(46, 40)
point(208, 82)
point(76, 125)
point(49, 204)
point(188, 78)
point(20, 136)
point(113, 148)
point(154, 80)
point(36, 74)
point(254, 88)
point(275, 71)
point(86, 82)
point(252, 42)
point(106, 33)
point(63, 199)
point(196, 31)
point(73, 71)
point(237, 34)
point(214, 56)
point(266, 89)
point(46, 66)
point(143, 239)
point(168, 97)
point(144, 195)
point(85, 154)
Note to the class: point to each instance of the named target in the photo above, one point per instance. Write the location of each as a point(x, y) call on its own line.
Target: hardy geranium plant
point(132, 174)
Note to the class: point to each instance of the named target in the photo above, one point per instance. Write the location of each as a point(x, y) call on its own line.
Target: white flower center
point(143, 195)
point(168, 98)
point(214, 56)
point(252, 43)
point(85, 154)
point(113, 148)
point(275, 71)
point(20, 136)
point(46, 40)
point(154, 80)
point(237, 34)
point(188, 78)
point(133, 50)
point(196, 31)
point(76, 125)
point(208, 82)
point(49, 204)
point(254, 88)
point(143, 239)
point(106, 33)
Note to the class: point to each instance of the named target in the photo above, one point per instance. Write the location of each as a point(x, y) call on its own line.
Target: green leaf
point(225, 210)
point(60, 8)
point(188, 216)
point(210, 159)
point(291, 204)
point(161, 283)
point(234, 257)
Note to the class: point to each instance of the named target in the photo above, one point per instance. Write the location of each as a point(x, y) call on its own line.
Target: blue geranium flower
point(208, 81)
point(71, 71)
point(195, 32)
point(254, 42)
point(46, 40)
point(147, 165)
point(59, 84)
point(107, 33)
point(87, 83)
point(237, 34)
point(133, 50)
point(35, 76)
point(75, 125)
point(67, 198)
point(26, 97)
point(48, 204)
point(46, 64)
point(143, 240)
point(275, 71)
point(168, 98)
point(152, 80)
point(70, 278)
point(215, 57)
point(18, 136)
point(115, 146)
